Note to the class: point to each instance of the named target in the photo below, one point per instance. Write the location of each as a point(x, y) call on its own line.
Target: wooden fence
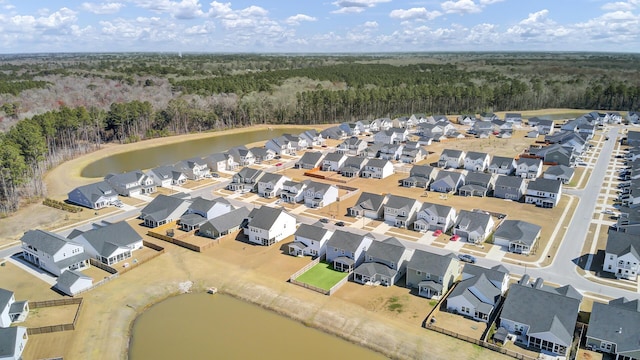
point(337, 286)
point(58, 327)
point(103, 266)
point(313, 263)
point(310, 287)
point(180, 243)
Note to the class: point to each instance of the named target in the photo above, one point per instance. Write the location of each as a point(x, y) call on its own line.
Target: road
point(562, 269)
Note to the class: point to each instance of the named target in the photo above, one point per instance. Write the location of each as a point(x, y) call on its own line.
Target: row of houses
point(13, 339)
point(544, 192)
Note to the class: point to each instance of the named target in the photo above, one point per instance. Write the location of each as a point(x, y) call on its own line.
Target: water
point(147, 158)
point(203, 326)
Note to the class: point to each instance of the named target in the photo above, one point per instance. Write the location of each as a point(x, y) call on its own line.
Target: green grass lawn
point(322, 276)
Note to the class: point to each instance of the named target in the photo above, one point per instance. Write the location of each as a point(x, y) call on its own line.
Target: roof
point(529, 161)
point(450, 177)
point(370, 269)
point(386, 250)
point(264, 217)
point(311, 232)
point(161, 207)
point(8, 339)
point(378, 163)
point(560, 170)
point(270, 178)
point(430, 263)
point(474, 155)
point(472, 220)
point(480, 285)
point(518, 231)
point(310, 157)
point(543, 309)
point(422, 170)
point(125, 178)
point(370, 201)
point(478, 178)
point(94, 191)
point(501, 161)
point(46, 241)
point(399, 202)
point(345, 240)
point(334, 156)
point(495, 274)
point(621, 243)
point(509, 181)
point(616, 324)
point(203, 205)
point(227, 221)
point(546, 185)
point(5, 296)
point(436, 209)
point(109, 238)
point(355, 161)
point(452, 153)
point(69, 277)
point(318, 187)
point(248, 173)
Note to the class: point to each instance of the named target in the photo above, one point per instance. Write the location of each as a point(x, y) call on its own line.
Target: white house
point(385, 137)
point(267, 226)
point(543, 192)
point(12, 342)
point(473, 226)
point(94, 196)
point(621, 255)
point(293, 191)
point(111, 243)
point(476, 161)
point(451, 158)
point(529, 168)
point(131, 183)
point(310, 240)
point(517, 236)
point(369, 205)
point(271, 185)
point(220, 162)
point(11, 311)
point(52, 252)
point(435, 217)
point(200, 210)
point(333, 161)
point(167, 175)
point(194, 169)
point(317, 194)
point(352, 146)
point(377, 169)
point(401, 211)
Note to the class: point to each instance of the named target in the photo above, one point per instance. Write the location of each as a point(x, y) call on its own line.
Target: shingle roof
point(422, 170)
point(69, 277)
point(386, 251)
point(369, 201)
point(472, 220)
point(478, 178)
point(334, 156)
point(270, 178)
point(479, 284)
point(514, 182)
point(45, 241)
point(264, 217)
point(94, 191)
point(495, 274)
point(160, 207)
point(451, 153)
point(370, 269)
point(621, 243)
point(528, 161)
point(8, 339)
point(436, 209)
point(5, 296)
point(378, 163)
point(345, 240)
point(310, 157)
point(520, 231)
point(615, 324)
point(450, 177)
point(109, 238)
point(227, 221)
point(474, 155)
point(429, 262)
point(311, 232)
point(560, 170)
point(399, 202)
point(546, 185)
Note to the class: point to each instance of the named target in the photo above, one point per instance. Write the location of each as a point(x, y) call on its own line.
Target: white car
point(608, 212)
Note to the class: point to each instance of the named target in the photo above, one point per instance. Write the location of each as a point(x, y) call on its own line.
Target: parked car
point(279, 164)
point(467, 258)
point(582, 163)
point(455, 237)
point(215, 175)
point(277, 157)
point(340, 223)
point(437, 232)
point(608, 212)
point(324, 220)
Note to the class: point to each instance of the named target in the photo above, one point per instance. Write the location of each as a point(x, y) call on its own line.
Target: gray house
point(518, 236)
point(401, 211)
point(447, 181)
point(94, 196)
point(476, 184)
point(613, 328)
point(352, 166)
point(310, 160)
point(559, 172)
point(245, 180)
point(201, 210)
point(420, 176)
point(509, 187)
point(163, 209)
point(167, 175)
point(540, 316)
point(451, 158)
point(368, 205)
point(432, 274)
point(224, 224)
point(345, 250)
point(384, 263)
point(502, 165)
point(131, 183)
point(111, 243)
point(434, 217)
point(475, 297)
point(310, 240)
point(473, 226)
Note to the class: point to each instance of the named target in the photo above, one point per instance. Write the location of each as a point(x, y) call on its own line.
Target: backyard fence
point(310, 287)
point(172, 240)
point(337, 286)
point(58, 327)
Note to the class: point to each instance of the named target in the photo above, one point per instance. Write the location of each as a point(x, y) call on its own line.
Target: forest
point(57, 106)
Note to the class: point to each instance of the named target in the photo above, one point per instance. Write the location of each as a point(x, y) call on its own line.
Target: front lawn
point(322, 276)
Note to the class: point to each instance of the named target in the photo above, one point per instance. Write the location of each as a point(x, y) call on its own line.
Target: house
point(350, 128)
point(293, 191)
point(473, 226)
point(384, 263)
point(12, 342)
point(131, 183)
point(93, 196)
point(467, 119)
point(220, 162)
point(482, 127)
point(544, 126)
point(622, 255)
point(555, 154)
point(368, 205)
point(413, 152)
point(386, 137)
point(475, 297)
point(633, 117)
point(432, 274)
point(352, 146)
point(488, 116)
point(476, 161)
point(200, 210)
point(281, 145)
point(518, 236)
point(242, 155)
point(451, 158)
point(345, 250)
point(310, 160)
point(447, 181)
point(391, 151)
point(540, 316)
point(109, 244)
point(312, 137)
point(352, 166)
point(334, 133)
point(528, 168)
point(310, 240)
point(245, 180)
point(633, 138)
point(12, 311)
point(224, 224)
point(434, 217)
point(420, 176)
point(372, 151)
point(377, 169)
point(167, 175)
point(513, 118)
point(333, 161)
point(270, 184)
point(613, 328)
point(498, 275)
point(476, 184)
point(401, 211)
point(164, 209)
point(262, 154)
point(317, 194)
point(559, 172)
point(52, 252)
point(194, 168)
point(509, 187)
point(73, 282)
point(543, 192)
point(533, 134)
point(502, 165)
point(267, 226)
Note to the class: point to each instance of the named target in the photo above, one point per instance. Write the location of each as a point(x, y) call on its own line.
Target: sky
point(310, 26)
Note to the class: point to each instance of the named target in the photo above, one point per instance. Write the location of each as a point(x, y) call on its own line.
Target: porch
point(343, 264)
point(429, 289)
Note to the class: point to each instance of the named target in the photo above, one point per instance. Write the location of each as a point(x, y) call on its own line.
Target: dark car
point(215, 175)
point(467, 258)
point(340, 223)
point(324, 220)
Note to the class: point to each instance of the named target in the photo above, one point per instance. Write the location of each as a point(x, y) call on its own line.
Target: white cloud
point(355, 6)
point(621, 5)
point(56, 20)
point(102, 8)
point(460, 7)
point(535, 17)
point(489, 2)
point(298, 18)
point(185, 9)
point(414, 14)
point(370, 24)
